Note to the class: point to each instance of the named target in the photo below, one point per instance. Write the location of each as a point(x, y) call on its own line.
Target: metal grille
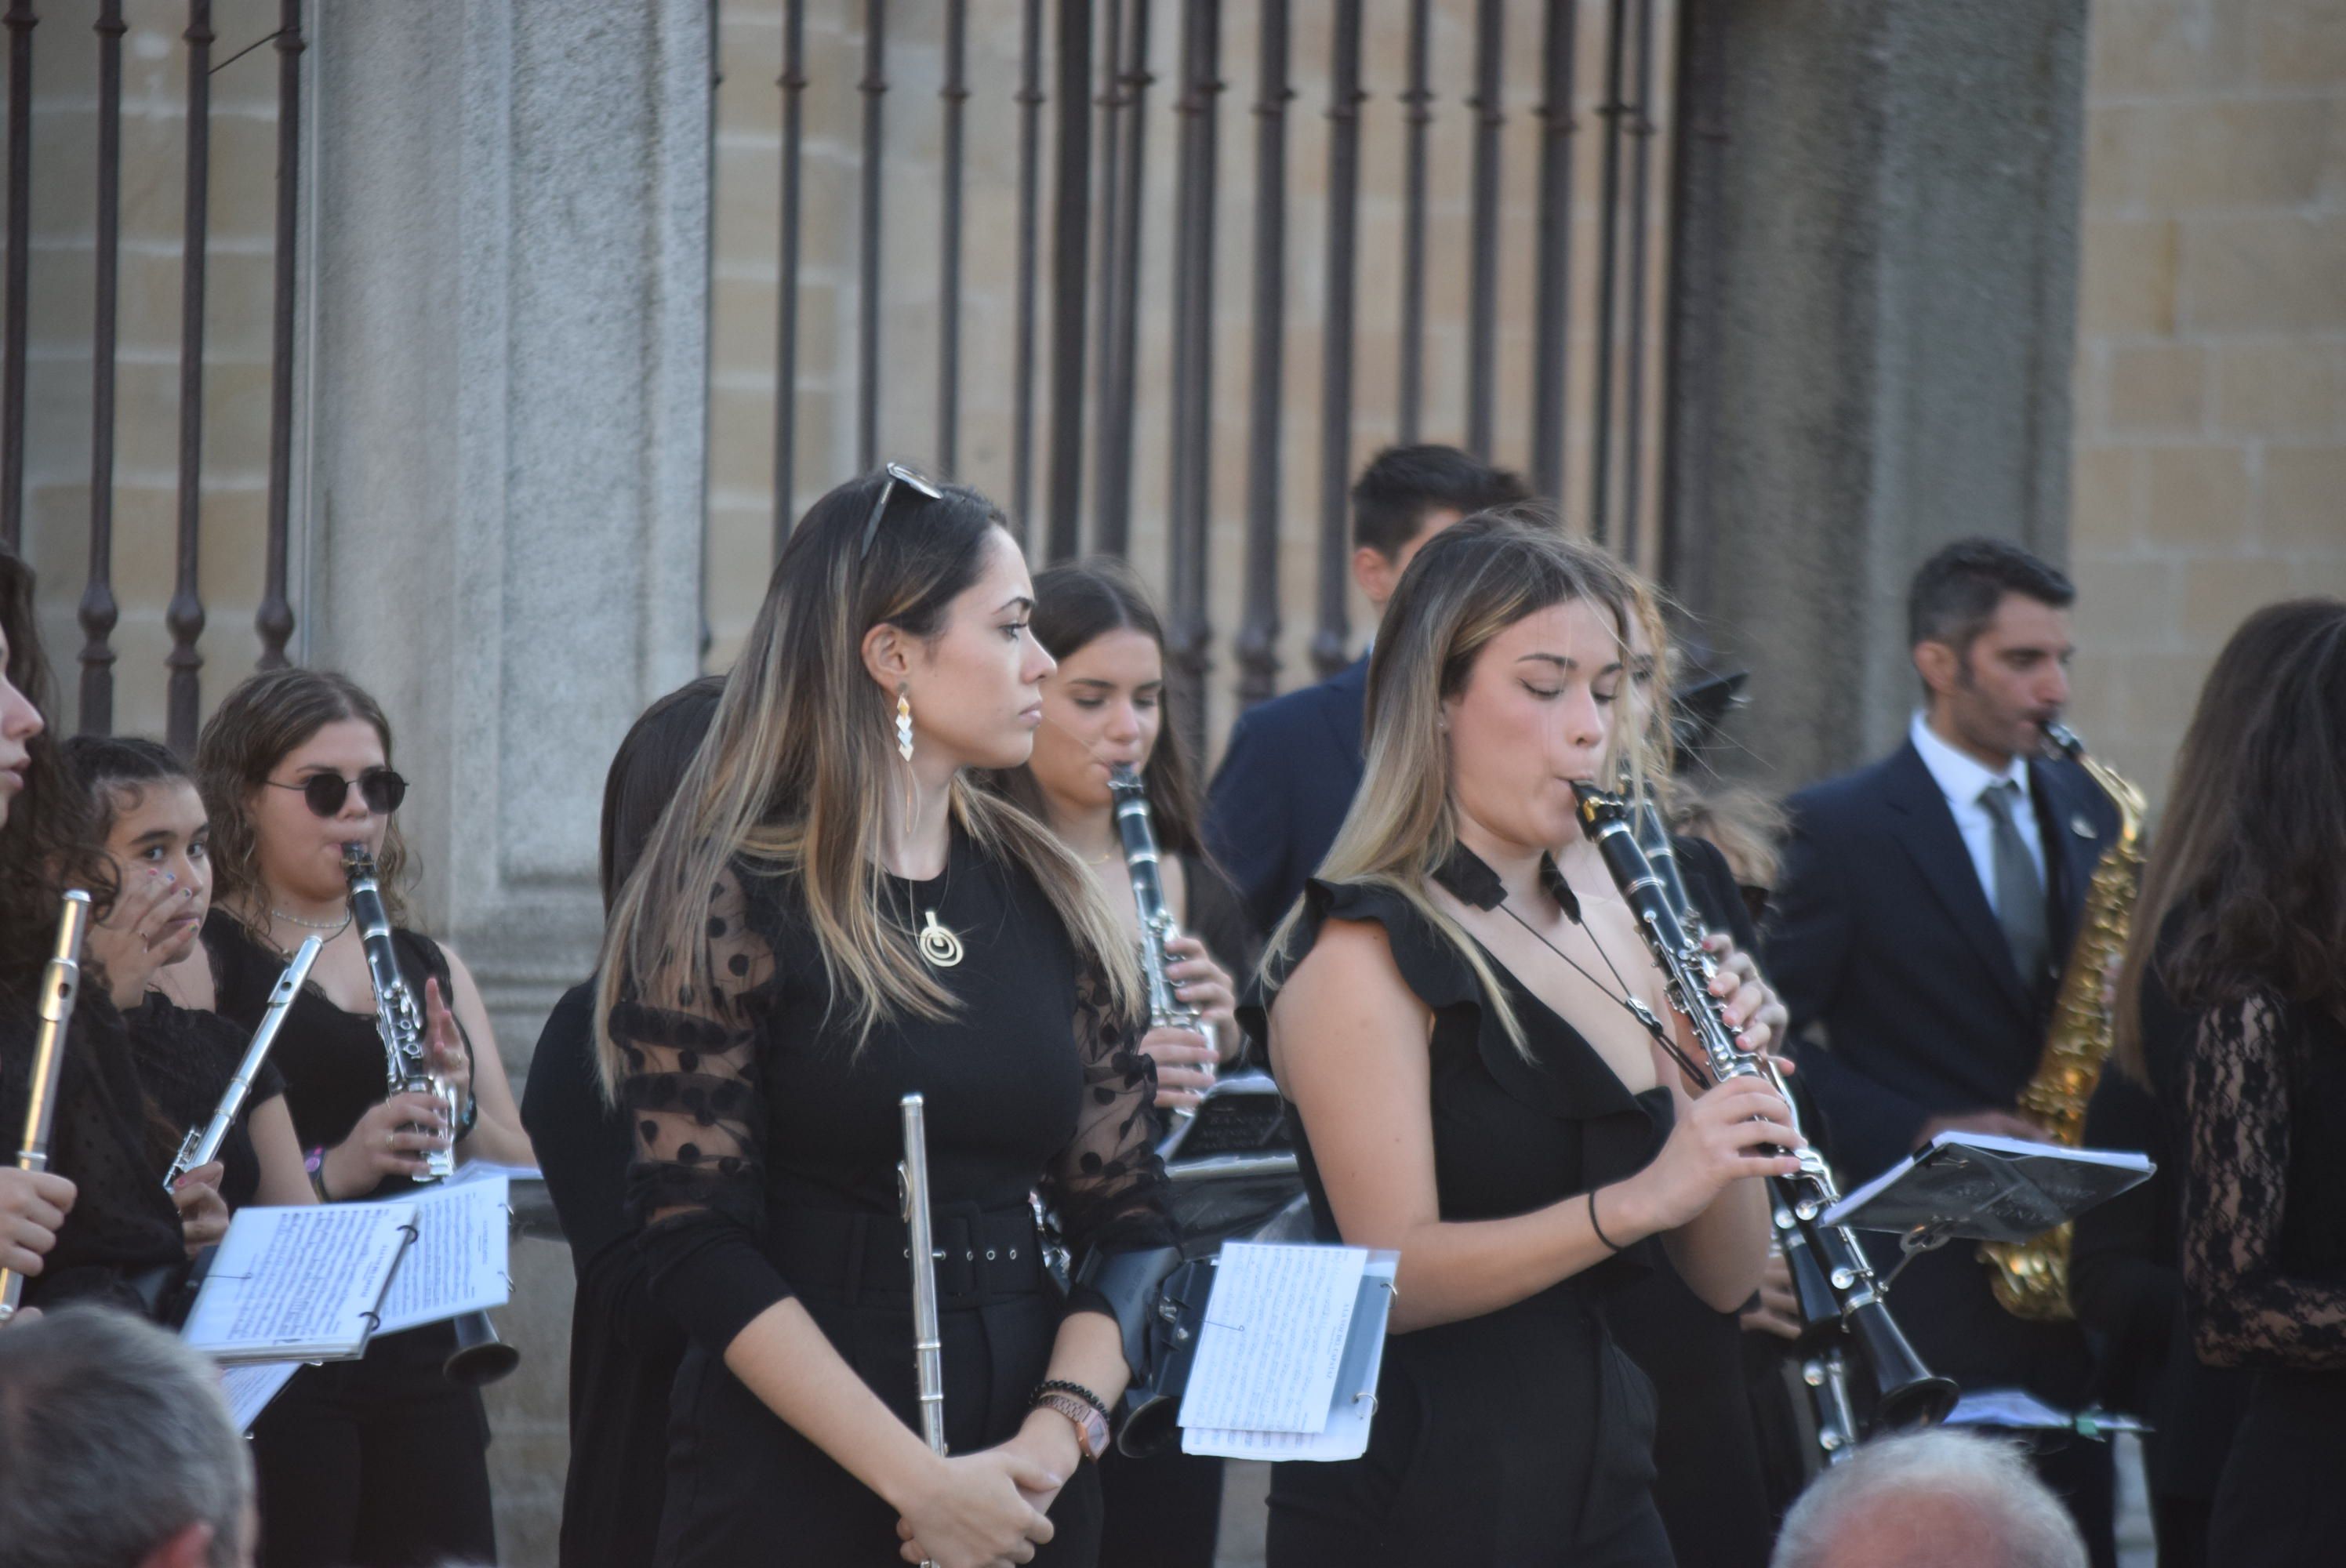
point(1164, 264)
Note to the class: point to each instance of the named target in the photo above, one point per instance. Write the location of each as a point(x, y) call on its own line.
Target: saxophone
point(2031, 1279)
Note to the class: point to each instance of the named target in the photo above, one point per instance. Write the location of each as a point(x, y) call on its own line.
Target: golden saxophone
point(2031, 1279)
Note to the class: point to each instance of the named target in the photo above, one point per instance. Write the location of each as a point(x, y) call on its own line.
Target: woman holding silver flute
point(831, 915)
point(95, 1223)
point(381, 1460)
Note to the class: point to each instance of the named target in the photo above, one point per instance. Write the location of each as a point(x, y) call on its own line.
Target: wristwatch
point(1091, 1427)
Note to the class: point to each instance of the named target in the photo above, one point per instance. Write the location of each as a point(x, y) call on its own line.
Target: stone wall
point(2209, 469)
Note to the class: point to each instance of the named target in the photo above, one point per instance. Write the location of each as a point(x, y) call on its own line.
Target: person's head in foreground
point(117, 1449)
point(1930, 1500)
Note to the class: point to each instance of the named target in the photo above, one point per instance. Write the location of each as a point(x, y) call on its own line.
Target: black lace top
point(121, 1223)
point(756, 1100)
point(2264, 1217)
point(186, 1059)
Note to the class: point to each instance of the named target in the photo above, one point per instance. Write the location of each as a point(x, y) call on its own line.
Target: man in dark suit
point(1293, 762)
point(1926, 908)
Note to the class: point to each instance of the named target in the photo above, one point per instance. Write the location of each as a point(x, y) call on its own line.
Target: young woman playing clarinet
point(379, 1461)
point(1459, 1015)
point(1105, 707)
point(831, 915)
point(153, 824)
point(96, 1223)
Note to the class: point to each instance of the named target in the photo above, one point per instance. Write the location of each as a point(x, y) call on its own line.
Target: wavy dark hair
point(2251, 858)
point(1075, 606)
point(258, 724)
point(49, 843)
point(114, 771)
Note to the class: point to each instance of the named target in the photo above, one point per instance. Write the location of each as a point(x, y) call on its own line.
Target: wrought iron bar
point(98, 613)
point(1552, 310)
point(1120, 278)
point(1070, 242)
point(1483, 273)
point(1257, 642)
point(953, 93)
point(792, 82)
point(20, 21)
point(1106, 539)
point(1608, 220)
point(874, 86)
point(185, 614)
point(1418, 116)
point(274, 619)
point(1690, 318)
point(1633, 371)
point(1328, 652)
point(1193, 366)
point(1029, 99)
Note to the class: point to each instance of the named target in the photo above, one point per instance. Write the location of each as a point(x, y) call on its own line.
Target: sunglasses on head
point(912, 479)
point(324, 793)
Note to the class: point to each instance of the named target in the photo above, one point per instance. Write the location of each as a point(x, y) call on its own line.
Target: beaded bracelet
point(1061, 1386)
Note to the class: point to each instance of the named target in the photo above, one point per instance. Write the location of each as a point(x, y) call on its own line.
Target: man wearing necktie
point(1927, 905)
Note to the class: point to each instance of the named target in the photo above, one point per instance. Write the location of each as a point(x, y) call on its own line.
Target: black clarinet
point(1908, 1393)
point(480, 1357)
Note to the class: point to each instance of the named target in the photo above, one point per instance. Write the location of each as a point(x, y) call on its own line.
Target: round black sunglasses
point(380, 788)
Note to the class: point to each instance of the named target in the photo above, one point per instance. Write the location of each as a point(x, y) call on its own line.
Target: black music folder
point(1976, 1187)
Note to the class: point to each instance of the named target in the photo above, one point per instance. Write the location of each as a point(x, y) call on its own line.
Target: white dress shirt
point(1961, 779)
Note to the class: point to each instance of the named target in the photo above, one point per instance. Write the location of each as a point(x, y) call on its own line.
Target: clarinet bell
point(480, 1357)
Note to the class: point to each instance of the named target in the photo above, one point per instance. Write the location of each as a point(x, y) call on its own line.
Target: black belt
point(858, 1254)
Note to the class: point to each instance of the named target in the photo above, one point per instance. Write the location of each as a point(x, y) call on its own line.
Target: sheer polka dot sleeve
point(691, 1090)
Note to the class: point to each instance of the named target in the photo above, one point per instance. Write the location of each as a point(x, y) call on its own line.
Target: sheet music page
point(1273, 1336)
point(301, 1280)
point(1353, 1404)
point(249, 1388)
point(459, 1262)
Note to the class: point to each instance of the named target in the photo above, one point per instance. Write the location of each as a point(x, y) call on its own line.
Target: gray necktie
point(2019, 894)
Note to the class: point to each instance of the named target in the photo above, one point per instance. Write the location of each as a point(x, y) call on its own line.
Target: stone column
point(1875, 337)
point(509, 428)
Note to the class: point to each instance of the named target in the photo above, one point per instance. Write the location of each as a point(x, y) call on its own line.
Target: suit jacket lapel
point(1926, 830)
point(2060, 808)
point(1348, 718)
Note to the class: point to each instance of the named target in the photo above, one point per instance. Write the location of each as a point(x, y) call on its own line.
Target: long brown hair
point(1468, 584)
point(50, 842)
point(2250, 853)
point(1076, 605)
point(258, 725)
point(792, 775)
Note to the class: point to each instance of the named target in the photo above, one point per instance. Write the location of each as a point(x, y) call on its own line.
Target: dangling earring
point(903, 725)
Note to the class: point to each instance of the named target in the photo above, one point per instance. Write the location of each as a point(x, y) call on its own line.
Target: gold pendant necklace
point(939, 946)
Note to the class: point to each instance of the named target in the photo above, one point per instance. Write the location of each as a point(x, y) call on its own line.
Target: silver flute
point(920, 1248)
point(398, 1015)
point(60, 985)
point(202, 1143)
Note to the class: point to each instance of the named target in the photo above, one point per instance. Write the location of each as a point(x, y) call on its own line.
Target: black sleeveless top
point(186, 1058)
point(332, 1060)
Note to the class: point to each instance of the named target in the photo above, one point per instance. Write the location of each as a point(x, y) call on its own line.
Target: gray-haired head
point(1930, 1500)
point(114, 1439)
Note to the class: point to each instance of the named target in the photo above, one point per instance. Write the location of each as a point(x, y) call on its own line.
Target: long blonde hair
point(1468, 584)
point(790, 778)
